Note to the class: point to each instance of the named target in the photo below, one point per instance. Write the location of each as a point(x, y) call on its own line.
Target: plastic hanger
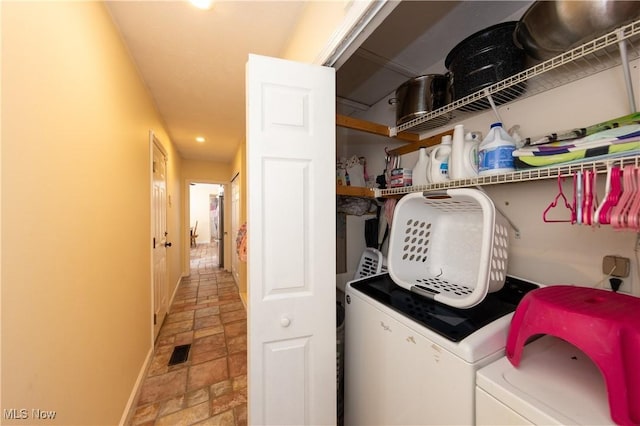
point(620, 212)
point(633, 216)
point(589, 197)
point(607, 189)
point(615, 189)
point(554, 203)
point(578, 196)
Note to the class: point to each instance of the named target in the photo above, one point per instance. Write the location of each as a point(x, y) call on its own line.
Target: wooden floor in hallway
point(210, 387)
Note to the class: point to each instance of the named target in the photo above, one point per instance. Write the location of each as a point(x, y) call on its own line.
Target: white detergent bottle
point(470, 157)
point(439, 160)
point(495, 152)
point(456, 163)
point(419, 172)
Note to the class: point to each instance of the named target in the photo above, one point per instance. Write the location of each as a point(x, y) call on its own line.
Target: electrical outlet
point(615, 266)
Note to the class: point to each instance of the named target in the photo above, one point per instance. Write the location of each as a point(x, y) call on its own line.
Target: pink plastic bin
point(602, 324)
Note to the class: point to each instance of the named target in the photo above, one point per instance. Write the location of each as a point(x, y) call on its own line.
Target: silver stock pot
point(421, 95)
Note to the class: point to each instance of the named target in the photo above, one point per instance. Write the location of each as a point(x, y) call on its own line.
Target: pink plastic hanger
point(633, 216)
point(607, 190)
point(620, 212)
point(554, 203)
point(612, 197)
point(589, 197)
point(578, 197)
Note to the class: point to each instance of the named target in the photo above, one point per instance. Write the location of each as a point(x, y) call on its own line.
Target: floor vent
point(180, 354)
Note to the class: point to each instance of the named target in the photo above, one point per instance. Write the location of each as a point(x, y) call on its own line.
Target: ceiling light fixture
point(200, 139)
point(202, 4)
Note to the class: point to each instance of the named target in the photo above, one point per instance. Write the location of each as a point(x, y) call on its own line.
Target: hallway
point(210, 387)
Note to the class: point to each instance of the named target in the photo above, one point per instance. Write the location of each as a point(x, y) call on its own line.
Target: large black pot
point(484, 58)
point(421, 95)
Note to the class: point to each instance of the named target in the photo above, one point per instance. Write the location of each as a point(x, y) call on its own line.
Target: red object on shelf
point(603, 324)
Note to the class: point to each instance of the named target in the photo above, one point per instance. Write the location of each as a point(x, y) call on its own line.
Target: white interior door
point(291, 242)
point(159, 233)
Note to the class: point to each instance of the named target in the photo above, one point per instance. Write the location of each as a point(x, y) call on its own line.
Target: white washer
point(412, 361)
point(554, 384)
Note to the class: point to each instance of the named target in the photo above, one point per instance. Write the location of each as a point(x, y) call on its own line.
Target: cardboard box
point(400, 177)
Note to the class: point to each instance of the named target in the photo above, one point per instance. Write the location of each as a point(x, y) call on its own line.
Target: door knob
point(284, 322)
point(167, 244)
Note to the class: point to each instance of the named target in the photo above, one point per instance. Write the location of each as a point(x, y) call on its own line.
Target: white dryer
point(554, 384)
point(410, 360)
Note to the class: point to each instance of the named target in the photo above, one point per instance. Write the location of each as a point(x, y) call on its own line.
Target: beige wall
point(314, 28)
point(76, 303)
point(205, 170)
point(321, 28)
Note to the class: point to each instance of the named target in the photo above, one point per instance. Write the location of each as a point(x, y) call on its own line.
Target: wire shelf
point(538, 173)
point(590, 58)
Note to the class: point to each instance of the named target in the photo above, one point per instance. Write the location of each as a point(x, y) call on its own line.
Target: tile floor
point(210, 388)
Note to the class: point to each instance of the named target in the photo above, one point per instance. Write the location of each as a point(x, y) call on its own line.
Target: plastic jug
point(495, 152)
point(419, 172)
point(439, 161)
point(456, 168)
point(470, 153)
point(463, 161)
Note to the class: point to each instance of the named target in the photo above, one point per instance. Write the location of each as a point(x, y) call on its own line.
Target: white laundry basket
point(451, 246)
point(372, 262)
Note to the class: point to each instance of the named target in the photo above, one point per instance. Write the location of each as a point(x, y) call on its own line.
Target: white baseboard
point(129, 409)
point(127, 415)
point(175, 290)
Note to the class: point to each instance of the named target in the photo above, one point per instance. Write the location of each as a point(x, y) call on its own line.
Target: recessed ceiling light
point(202, 4)
point(200, 139)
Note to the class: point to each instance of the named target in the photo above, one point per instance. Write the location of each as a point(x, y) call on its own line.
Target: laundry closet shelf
point(538, 173)
point(355, 191)
point(373, 128)
point(585, 60)
point(415, 142)
point(597, 55)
